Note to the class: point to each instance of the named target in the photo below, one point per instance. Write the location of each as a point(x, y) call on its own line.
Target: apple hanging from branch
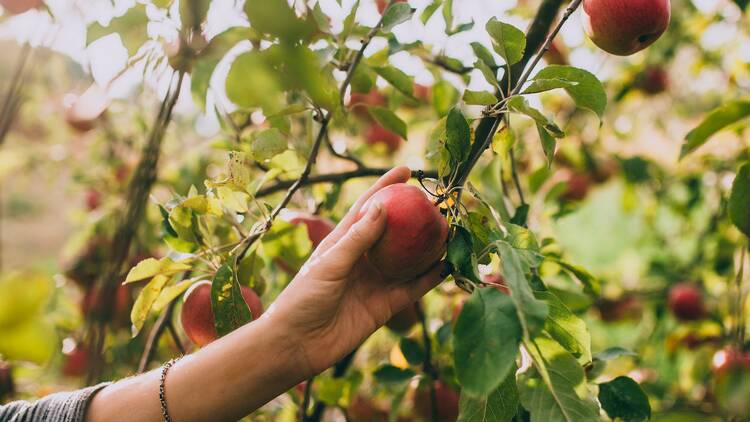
point(16, 7)
point(197, 316)
point(625, 27)
point(686, 302)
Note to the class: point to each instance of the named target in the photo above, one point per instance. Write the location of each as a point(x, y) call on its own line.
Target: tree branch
point(153, 337)
point(428, 366)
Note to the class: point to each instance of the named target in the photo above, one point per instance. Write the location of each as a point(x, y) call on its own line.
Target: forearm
point(223, 381)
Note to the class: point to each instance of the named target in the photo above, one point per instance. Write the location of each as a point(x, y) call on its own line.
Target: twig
point(153, 337)
point(347, 156)
point(175, 336)
point(428, 366)
point(514, 173)
point(335, 178)
point(306, 400)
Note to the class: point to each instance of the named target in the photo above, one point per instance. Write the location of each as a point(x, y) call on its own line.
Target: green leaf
point(520, 105)
point(500, 405)
point(444, 97)
point(363, 79)
point(395, 14)
point(151, 267)
point(717, 120)
point(614, 353)
point(485, 339)
point(531, 312)
point(170, 293)
point(390, 374)
point(490, 75)
point(23, 296)
point(131, 27)
point(448, 14)
point(507, 40)
point(228, 305)
point(267, 144)
point(34, 340)
point(588, 93)
point(389, 120)
point(412, 351)
point(200, 79)
point(458, 135)
point(145, 301)
point(398, 79)
point(262, 90)
point(566, 328)
point(484, 55)
point(479, 98)
point(554, 390)
point(541, 85)
point(591, 284)
point(461, 256)
point(429, 11)
point(623, 399)
point(739, 200)
point(549, 143)
point(277, 18)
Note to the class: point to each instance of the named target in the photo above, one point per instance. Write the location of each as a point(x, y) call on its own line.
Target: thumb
point(360, 237)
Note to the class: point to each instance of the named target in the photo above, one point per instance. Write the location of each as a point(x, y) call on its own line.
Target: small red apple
point(76, 361)
point(578, 187)
point(377, 134)
point(654, 80)
point(93, 199)
point(402, 322)
point(415, 234)
point(317, 227)
point(16, 7)
point(624, 27)
point(730, 359)
point(686, 302)
point(92, 305)
point(422, 92)
point(198, 317)
point(382, 4)
point(363, 409)
point(446, 398)
point(82, 111)
point(622, 308)
point(7, 387)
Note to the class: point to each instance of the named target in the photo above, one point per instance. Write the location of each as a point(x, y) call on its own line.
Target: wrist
point(288, 342)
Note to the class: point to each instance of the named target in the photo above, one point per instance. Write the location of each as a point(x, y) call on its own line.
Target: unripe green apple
point(415, 234)
point(198, 317)
point(624, 27)
point(686, 302)
point(16, 7)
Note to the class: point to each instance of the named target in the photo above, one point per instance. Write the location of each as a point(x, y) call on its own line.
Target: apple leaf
point(170, 293)
point(532, 312)
point(34, 340)
point(151, 267)
point(444, 97)
point(263, 90)
point(363, 79)
point(193, 13)
point(145, 301)
point(543, 85)
point(228, 305)
point(395, 14)
point(412, 351)
point(623, 399)
point(389, 120)
point(479, 98)
point(461, 256)
point(485, 339)
point(398, 79)
point(131, 27)
point(591, 284)
point(566, 328)
point(390, 374)
point(429, 11)
point(520, 105)
point(277, 18)
point(549, 143)
point(717, 120)
point(500, 405)
point(588, 92)
point(739, 200)
point(554, 389)
point(484, 55)
point(267, 144)
point(507, 40)
point(458, 135)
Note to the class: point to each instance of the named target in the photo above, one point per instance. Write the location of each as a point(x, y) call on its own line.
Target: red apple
point(446, 398)
point(360, 101)
point(401, 322)
point(363, 409)
point(92, 305)
point(624, 27)
point(654, 80)
point(415, 235)
point(377, 134)
point(7, 387)
point(76, 361)
point(730, 359)
point(82, 111)
point(686, 302)
point(497, 281)
point(16, 7)
point(198, 316)
point(93, 199)
point(422, 92)
point(317, 227)
point(382, 4)
point(578, 187)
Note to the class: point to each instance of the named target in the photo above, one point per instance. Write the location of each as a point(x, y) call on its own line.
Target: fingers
point(396, 175)
point(356, 241)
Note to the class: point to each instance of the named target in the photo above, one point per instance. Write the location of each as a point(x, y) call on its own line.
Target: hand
point(338, 298)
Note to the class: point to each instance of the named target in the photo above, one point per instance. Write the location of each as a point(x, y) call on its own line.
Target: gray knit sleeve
point(60, 407)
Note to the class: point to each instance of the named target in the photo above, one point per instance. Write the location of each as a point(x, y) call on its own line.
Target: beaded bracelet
point(162, 394)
